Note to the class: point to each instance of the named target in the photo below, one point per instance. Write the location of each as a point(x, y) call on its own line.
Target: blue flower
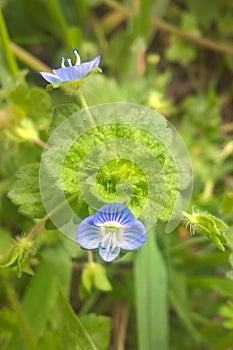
point(111, 229)
point(69, 72)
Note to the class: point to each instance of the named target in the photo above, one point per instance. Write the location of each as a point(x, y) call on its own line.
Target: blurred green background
point(172, 56)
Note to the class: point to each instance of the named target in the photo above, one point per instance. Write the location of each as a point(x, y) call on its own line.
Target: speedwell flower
point(69, 72)
point(111, 229)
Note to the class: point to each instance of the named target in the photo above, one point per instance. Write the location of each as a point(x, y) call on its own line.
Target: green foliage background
point(176, 292)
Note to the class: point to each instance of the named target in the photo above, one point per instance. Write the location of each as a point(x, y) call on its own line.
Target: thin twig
point(119, 7)
point(163, 25)
point(207, 43)
point(39, 142)
point(90, 257)
point(48, 215)
point(120, 322)
point(29, 59)
point(39, 225)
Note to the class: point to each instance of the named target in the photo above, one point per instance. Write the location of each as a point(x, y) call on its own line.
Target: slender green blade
point(151, 297)
point(73, 333)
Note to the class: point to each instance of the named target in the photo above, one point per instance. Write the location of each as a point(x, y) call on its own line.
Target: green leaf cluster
point(208, 226)
point(20, 255)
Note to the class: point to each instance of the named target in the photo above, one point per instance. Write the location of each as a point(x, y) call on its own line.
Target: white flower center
point(111, 232)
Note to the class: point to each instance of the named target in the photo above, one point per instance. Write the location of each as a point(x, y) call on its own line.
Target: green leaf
point(201, 115)
point(181, 51)
point(44, 280)
point(94, 275)
point(61, 113)
point(103, 83)
point(99, 328)
point(25, 191)
point(151, 296)
point(224, 343)
point(179, 300)
point(226, 311)
point(31, 103)
point(96, 163)
point(73, 333)
point(101, 281)
point(59, 261)
point(50, 340)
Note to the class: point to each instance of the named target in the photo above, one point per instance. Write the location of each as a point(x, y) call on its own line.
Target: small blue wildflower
point(111, 229)
point(69, 72)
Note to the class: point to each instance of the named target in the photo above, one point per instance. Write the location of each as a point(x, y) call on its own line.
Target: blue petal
point(109, 255)
point(95, 62)
point(88, 235)
point(67, 73)
point(133, 237)
point(76, 72)
point(51, 78)
point(114, 212)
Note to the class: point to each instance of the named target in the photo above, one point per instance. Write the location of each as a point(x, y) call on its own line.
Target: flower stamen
point(78, 60)
point(63, 60)
point(69, 62)
point(109, 241)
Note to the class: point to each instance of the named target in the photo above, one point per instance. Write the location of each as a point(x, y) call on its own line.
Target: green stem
point(85, 106)
point(39, 142)
point(90, 257)
point(29, 59)
point(92, 123)
point(23, 323)
point(5, 42)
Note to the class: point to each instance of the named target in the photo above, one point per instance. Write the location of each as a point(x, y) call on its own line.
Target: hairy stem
point(48, 215)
